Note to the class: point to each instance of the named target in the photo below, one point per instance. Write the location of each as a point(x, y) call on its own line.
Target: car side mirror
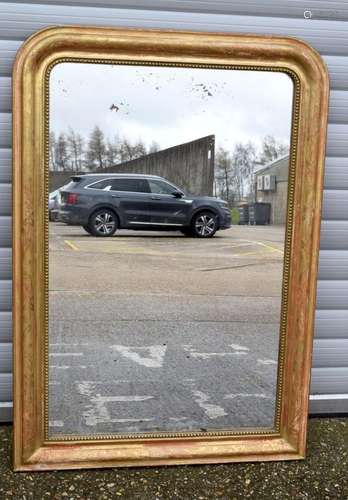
point(178, 194)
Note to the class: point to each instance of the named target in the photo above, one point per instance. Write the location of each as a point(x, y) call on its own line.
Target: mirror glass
point(167, 211)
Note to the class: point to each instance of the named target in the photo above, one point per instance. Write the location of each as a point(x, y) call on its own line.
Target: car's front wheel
point(204, 225)
point(103, 223)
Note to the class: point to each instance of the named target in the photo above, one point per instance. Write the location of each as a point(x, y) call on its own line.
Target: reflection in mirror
point(167, 211)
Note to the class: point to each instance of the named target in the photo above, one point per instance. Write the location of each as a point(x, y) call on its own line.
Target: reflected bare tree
point(61, 153)
point(75, 143)
point(96, 149)
point(243, 162)
point(272, 149)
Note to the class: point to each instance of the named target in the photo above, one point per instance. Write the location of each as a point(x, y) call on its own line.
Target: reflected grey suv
point(103, 203)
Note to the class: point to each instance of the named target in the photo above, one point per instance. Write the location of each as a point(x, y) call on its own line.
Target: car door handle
point(115, 196)
point(156, 198)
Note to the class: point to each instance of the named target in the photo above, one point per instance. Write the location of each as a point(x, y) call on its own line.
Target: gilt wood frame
point(32, 448)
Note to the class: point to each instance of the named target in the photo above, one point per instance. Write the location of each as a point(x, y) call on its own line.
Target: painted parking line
point(71, 245)
point(269, 247)
point(178, 253)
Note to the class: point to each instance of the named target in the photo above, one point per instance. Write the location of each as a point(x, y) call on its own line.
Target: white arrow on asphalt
point(154, 359)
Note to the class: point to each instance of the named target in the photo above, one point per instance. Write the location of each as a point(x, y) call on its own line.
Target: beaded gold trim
point(264, 432)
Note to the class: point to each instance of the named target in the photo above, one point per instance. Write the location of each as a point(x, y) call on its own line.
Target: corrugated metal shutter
point(326, 29)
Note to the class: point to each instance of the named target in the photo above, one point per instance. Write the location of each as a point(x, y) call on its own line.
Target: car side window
point(130, 185)
point(104, 184)
point(159, 187)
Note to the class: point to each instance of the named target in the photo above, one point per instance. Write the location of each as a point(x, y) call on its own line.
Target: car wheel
point(204, 225)
point(103, 223)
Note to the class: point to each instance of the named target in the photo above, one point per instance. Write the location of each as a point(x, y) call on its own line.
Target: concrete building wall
point(58, 179)
point(190, 166)
point(278, 201)
point(277, 198)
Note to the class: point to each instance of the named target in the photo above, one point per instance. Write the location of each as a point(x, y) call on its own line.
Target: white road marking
point(70, 345)
point(97, 411)
point(238, 347)
point(212, 411)
point(244, 395)
point(123, 399)
point(60, 367)
point(58, 344)
point(85, 388)
point(207, 355)
point(54, 354)
point(153, 360)
point(177, 419)
point(56, 423)
point(267, 361)
point(125, 420)
point(54, 383)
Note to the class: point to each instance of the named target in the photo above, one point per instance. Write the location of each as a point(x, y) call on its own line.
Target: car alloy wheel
point(205, 225)
point(103, 223)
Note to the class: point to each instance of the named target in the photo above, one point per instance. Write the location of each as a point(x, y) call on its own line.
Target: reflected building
point(271, 186)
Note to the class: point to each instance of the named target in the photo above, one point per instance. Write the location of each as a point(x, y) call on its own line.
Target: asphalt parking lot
point(154, 331)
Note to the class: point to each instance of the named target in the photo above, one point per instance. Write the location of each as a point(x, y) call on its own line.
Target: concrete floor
point(155, 331)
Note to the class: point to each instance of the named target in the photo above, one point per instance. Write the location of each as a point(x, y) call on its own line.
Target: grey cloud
point(170, 105)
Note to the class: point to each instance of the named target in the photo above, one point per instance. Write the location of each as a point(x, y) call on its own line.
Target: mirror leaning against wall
point(171, 208)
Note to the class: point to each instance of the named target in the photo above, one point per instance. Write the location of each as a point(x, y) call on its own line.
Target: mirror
point(165, 313)
point(178, 194)
point(167, 196)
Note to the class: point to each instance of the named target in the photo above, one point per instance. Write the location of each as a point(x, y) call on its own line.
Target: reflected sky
point(171, 105)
